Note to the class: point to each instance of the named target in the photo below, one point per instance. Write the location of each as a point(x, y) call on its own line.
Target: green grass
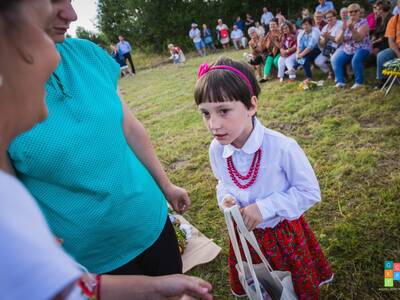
point(351, 138)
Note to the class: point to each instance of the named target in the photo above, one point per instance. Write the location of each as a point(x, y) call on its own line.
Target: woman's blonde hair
point(354, 6)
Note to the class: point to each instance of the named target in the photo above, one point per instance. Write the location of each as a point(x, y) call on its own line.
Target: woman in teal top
point(92, 168)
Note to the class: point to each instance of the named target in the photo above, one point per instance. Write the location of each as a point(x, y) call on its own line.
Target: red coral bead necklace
point(251, 174)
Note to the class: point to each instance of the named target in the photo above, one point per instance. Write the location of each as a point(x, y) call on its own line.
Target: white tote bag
point(259, 281)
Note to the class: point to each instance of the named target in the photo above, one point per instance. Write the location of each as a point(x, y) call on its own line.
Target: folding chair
point(392, 65)
point(389, 83)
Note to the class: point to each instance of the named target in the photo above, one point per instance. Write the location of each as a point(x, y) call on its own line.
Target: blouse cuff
point(264, 205)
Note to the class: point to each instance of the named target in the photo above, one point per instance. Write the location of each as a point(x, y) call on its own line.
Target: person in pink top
point(371, 19)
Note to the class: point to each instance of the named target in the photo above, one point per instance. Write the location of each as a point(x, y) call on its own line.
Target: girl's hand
point(229, 202)
point(178, 198)
point(251, 216)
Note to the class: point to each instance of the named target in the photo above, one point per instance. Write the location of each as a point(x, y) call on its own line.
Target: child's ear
point(253, 108)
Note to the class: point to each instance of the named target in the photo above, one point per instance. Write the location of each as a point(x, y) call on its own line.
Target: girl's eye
point(223, 111)
point(205, 114)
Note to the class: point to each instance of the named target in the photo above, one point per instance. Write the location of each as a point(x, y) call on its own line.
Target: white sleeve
point(32, 265)
point(303, 191)
point(222, 191)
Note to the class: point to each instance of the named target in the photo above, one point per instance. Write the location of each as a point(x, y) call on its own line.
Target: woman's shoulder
point(77, 44)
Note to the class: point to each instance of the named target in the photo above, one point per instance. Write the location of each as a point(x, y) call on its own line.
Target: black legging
point(127, 56)
point(161, 258)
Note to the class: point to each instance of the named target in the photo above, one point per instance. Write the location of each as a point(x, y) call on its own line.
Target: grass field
point(352, 139)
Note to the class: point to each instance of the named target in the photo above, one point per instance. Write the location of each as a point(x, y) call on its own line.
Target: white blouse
point(286, 185)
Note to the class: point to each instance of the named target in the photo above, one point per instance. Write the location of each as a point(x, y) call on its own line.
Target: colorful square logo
point(396, 276)
point(396, 267)
point(388, 264)
point(388, 282)
point(388, 273)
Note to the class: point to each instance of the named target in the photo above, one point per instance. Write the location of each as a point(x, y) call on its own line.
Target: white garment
point(322, 62)
point(241, 42)
point(288, 63)
point(195, 35)
point(32, 265)
point(260, 31)
point(333, 31)
point(236, 34)
point(286, 185)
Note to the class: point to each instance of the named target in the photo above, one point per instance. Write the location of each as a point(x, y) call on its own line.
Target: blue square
point(396, 276)
point(388, 264)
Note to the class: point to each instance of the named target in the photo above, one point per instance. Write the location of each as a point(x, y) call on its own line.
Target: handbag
point(259, 281)
point(328, 50)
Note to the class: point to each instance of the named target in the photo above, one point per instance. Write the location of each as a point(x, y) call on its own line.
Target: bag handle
point(232, 235)
point(249, 235)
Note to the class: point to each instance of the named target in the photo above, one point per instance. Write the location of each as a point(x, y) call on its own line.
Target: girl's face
point(229, 122)
point(29, 65)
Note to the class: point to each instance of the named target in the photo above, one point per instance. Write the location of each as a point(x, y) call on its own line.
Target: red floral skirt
point(289, 246)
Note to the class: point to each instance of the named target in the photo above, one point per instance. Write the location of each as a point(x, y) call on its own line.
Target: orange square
point(396, 267)
point(388, 273)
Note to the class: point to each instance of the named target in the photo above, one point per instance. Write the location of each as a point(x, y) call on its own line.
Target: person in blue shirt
point(325, 6)
point(125, 49)
point(207, 38)
point(120, 60)
point(307, 46)
point(240, 23)
point(266, 17)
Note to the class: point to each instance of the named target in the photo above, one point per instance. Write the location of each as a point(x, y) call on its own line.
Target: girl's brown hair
point(225, 85)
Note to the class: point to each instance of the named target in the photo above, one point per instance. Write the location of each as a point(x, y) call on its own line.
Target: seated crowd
point(340, 46)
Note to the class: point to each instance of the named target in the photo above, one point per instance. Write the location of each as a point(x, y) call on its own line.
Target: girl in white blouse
point(264, 172)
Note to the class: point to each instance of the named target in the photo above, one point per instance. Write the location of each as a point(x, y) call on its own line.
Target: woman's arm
point(139, 142)
point(360, 33)
point(340, 35)
point(155, 288)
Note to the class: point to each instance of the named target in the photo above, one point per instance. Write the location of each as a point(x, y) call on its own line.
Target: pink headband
point(204, 68)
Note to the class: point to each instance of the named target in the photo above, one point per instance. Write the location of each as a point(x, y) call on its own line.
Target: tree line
point(152, 24)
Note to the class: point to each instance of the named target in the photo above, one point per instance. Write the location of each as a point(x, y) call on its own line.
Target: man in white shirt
point(238, 39)
point(266, 17)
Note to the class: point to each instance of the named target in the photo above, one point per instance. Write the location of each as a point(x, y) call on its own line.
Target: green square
point(388, 264)
point(388, 282)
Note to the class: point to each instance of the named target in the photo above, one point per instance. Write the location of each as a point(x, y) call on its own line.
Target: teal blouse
point(95, 193)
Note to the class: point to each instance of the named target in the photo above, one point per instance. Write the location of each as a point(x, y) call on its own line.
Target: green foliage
point(153, 24)
point(352, 139)
point(97, 38)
